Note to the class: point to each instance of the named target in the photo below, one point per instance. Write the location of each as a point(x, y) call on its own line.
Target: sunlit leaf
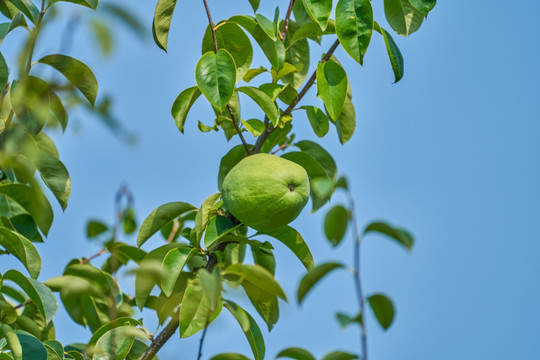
point(318, 120)
point(195, 313)
point(424, 6)
point(354, 26)
point(22, 249)
point(250, 329)
point(319, 11)
point(116, 343)
point(206, 211)
point(162, 22)
point(295, 353)
point(402, 16)
point(211, 287)
point(332, 85)
point(173, 263)
point(92, 4)
point(76, 72)
point(339, 355)
point(402, 236)
point(264, 102)
point(182, 104)
point(229, 356)
point(161, 216)
point(294, 241)
point(313, 276)
point(56, 177)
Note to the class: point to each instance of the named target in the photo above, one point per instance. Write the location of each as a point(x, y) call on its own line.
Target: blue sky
point(450, 153)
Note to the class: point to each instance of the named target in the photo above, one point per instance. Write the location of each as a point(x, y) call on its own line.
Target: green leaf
point(322, 187)
point(383, 308)
point(254, 126)
point(162, 22)
point(335, 224)
point(51, 353)
point(312, 30)
point(195, 313)
point(211, 287)
point(229, 356)
point(160, 217)
point(295, 353)
point(116, 343)
point(13, 342)
point(252, 73)
point(264, 302)
point(264, 101)
point(320, 154)
point(308, 162)
point(228, 161)
point(28, 8)
point(232, 38)
point(250, 329)
point(173, 263)
point(76, 72)
point(254, 4)
point(56, 177)
point(57, 347)
point(264, 257)
point(32, 348)
point(294, 241)
point(4, 72)
point(42, 297)
point(396, 59)
point(216, 76)
point(424, 6)
point(313, 276)
point(22, 249)
point(345, 319)
point(402, 16)
point(318, 120)
point(204, 214)
point(319, 11)
point(402, 236)
point(94, 228)
point(339, 355)
point(274, 50)
point(354, 26)
point(332, 84)
point(32, 201)
point(92, 4)
point(297, 55)
point(258, 276)
point(346, 122)
point(217, 227)
point(103, 36)
point(182, 104)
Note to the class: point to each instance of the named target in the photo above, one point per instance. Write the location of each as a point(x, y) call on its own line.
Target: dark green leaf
point(217, 227)
point(195, 313)
point(308, 162)
point(250, 329)
point(232, 38)
point(313, 276)
point(354, 26)
point(160, 217)
point(57, 347)
point(320, 154)
point(56, 177)
point(345, 319)
point(402, 16)
point(94, 228)
point(294, 241)
point(332, 85)
point(162, 22)
point(346, 122)
point(32, 201)
point(424, 6)
point(76, 72)
point(383, 309)
point(318, 120)
point(51, 353)
point(173, 263)
point(396, 59)
point(319, 11)
point(268, 26)
point(339, 355)
point(182, 104)
point(335, 224)
point(228, 161)
point(4, 72)
point(264, 258)
point(229, 356)
point(295, 353)
point(264, 101)
point(28, 8)
point(402, 236)
point(41, 296)
point(92, 4)
point(32, 348)
point(22, 249)
point(216, 76)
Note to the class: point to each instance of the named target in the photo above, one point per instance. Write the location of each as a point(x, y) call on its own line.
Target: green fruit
point(265, 191)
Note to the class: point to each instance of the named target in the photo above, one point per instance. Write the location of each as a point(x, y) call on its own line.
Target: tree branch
point(214, 38)
point(199, 357)
point(268, 129)
point(357, 280)
point(286, 21)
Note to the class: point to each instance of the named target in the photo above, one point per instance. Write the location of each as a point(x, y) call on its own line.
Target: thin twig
point(87, 260)
point(233, 118)
point(29, 301)
point(357, 281)
point(286, 21)
point(268, 129)
point(199, 357)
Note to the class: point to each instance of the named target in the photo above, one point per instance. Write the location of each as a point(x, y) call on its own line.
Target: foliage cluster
point(204, 248)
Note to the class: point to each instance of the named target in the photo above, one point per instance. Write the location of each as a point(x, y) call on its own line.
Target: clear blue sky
point(450, 152)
